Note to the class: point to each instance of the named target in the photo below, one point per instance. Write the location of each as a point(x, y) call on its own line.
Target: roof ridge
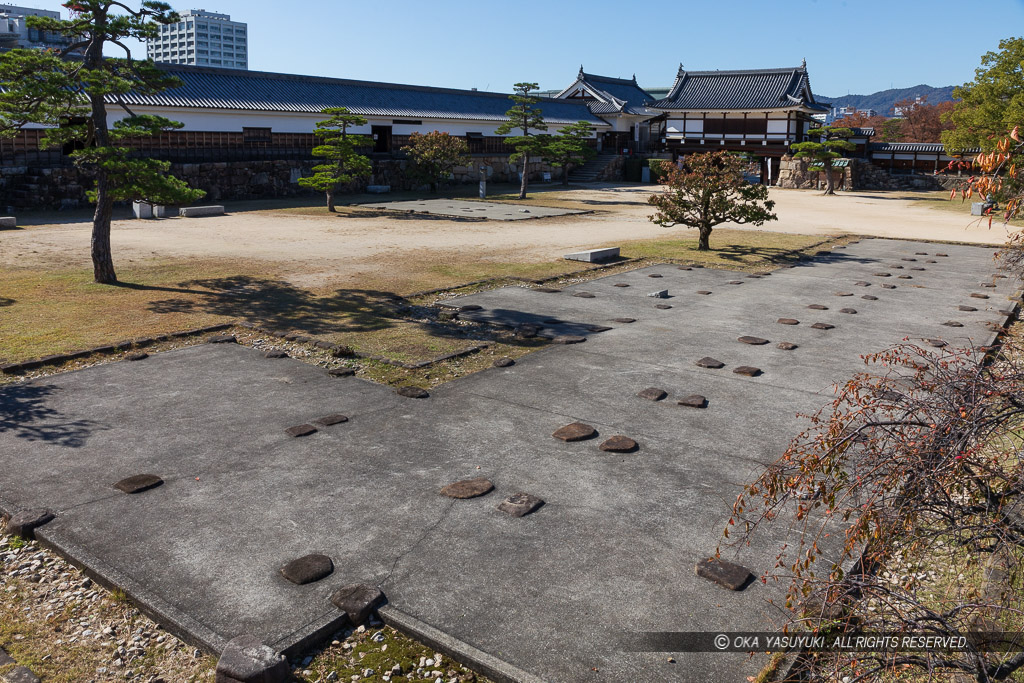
point(736, 72)
point(611, 79)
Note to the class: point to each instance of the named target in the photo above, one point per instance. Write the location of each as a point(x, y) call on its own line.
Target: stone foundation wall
point(859, 175)
point(793, 174)
point(65, 187)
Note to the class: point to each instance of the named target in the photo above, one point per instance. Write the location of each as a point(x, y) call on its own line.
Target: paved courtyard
point(542, 597)
point(472, 209)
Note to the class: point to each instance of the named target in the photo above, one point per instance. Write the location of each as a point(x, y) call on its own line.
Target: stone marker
point(620, 284)
point(818, 307)
point(357, 601)
point(868, 297)
point(246, 659)
point(844, 293)
point(275, 353)
point(989, 285)
point(726, 574)
point(735, 282)
point(504, 362)
point(24, 523)
point(663, 307)
point(888, 286)
point(624, 321)
point(653, 394)
point(660, 294)
point(139, 483)
point(953, 323)
point(619, 444)
point(307, 569)
point(924, 253)
point(222, 339)
point(851, 311)
point(301, 430)
point(693, 401)
point(787, 346)
point(197, 211)
point(594, 255)
point(328, 420)
point(862, 284)
point(918, 269)
point(937, 254)
point(907, 258)
point(966, 308)
point(703, 292)
point(822, 326)
point(469, 307)
point(753, 341)
point(341, 372)
point(882, 274)
point(975, 295)
point(547, 290)
point(583, 295)
point(937, 343)
point(788, 321)
point(748, 370)
point(141, 355)
point(906, 277)
point(655, 275)
point(520, 504)
point(568, 339)
point(468, 488)
point(709, 362)
point(575, 431)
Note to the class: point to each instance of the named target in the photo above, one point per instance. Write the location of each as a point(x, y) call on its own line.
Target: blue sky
point(851, 46)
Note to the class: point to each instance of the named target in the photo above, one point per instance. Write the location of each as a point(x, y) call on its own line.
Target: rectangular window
point(256, 135)
point(718, 126)
point(410, 122)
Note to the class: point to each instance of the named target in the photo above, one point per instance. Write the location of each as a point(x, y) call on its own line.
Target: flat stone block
point(788, 321)
point(726, 574)
point(660, 294)
point(734, 282)
point(247, 660)
point(652, 394)
point(862, 284)
point(503, 362)
point(520, 504)
point(583, 295)
point(937, 343)
point(576, 431)
point(568, 339)
point(925, 253)
point(882, 274)
point(620, 284)
point(139, 483)
point(943, 255)
point(818, 307)
point(619, 444)
point(222, 339)
point(709, 362)
point(703, 292)
point(468, 488)
point(198, 211)
point(469, 307)
point(24, 523)
point(907, 258)
point(307, 569)
point(276, 353)
point(8, 222)
point(888, 286)
point(141, 355)
point(338, 372)
point(823, 326)
point(966, 308)
point(906, 277)
point(358, 601)
point(594, 255)
point(896, 267)
point(301, 430)
point(953, 323)
point(748, 370)
point(850, 311)
point(624, 321)
point(844, 293)
point(412, 392)
point(975, 295)
point(787, 346)
point(868, 297)
point(655, 275)
point(753, 341)
point(919, 268)
point(694, 401)
point(663, 307)
point(328, 420)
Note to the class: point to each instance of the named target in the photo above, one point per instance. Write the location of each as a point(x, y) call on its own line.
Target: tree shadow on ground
point(24, 413)
point(754, 255)
point(407, 215)
point(279, 305)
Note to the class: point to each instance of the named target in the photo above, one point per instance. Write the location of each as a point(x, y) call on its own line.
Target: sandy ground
point(326, 248)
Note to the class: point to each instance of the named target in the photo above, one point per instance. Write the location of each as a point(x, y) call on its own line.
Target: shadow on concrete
point(544, 325)
point(24, 413)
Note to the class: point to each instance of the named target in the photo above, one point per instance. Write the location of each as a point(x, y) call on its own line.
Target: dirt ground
point(317, 251)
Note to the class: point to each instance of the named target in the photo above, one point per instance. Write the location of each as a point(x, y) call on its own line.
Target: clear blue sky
point(851, 46)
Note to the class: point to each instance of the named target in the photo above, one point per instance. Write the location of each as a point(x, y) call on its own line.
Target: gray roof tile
point(743, 90)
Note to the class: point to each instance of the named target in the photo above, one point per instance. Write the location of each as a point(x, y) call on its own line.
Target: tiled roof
point(742, 90)
point(615, 95)
point(214, 88)
point(915, 147)
point(863, 132)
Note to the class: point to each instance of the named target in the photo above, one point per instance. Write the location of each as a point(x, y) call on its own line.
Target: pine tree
point(339, 147)
point(569, 147)
point(524, 116)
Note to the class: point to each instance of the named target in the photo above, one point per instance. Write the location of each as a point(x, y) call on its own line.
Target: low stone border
point(35, 363)
point(19, 674)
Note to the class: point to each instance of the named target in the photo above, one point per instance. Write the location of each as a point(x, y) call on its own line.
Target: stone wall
point(65, 187)
point(793, 174)
point(859, 175)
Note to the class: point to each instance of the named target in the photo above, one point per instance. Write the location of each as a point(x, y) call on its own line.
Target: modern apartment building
point(14, 30)
point(202, 38)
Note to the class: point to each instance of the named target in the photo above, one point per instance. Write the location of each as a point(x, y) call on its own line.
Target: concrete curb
point(462, 652)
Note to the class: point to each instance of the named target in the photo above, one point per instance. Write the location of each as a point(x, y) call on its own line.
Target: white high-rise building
point(202, 38)
point(14, 30)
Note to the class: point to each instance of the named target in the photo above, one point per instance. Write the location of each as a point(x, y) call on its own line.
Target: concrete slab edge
point(312, 634)
point(462, 652)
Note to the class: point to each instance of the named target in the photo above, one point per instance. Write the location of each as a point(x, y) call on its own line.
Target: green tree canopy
point(569, 147)
point(434, 156)
point(340, 149)
point(827, 144)
point(71, 90)
point(992, 104)
point(524, 116)
point(710, 190)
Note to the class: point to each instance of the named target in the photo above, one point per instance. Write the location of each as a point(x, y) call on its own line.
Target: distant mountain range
point(883, 101)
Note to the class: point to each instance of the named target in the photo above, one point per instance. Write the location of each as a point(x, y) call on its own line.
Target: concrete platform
point(543, 597)
point(459, 208)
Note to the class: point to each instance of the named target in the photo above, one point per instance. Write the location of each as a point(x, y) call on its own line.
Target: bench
point(197, 211)
point(8, 222)
point(594, 255)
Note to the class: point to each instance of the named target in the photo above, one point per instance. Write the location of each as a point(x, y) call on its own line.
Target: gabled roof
point(863, 132)
point(931, 147)
point(757, 89)
point(217, 88)
point(612, 95)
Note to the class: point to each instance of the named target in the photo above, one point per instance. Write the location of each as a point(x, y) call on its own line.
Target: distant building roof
point(217, 88)
point(863, 132)
point(612, 95)
point(743, 90)
point(915, 147)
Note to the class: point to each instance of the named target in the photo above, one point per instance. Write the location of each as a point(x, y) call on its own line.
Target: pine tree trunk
point(565, 174)
point(705, 234)
point(526, 175)
point(330, 202)
point(102, 259)
point(829, 184)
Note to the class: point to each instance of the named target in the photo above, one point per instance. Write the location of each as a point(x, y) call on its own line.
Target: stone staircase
point(592, 169)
